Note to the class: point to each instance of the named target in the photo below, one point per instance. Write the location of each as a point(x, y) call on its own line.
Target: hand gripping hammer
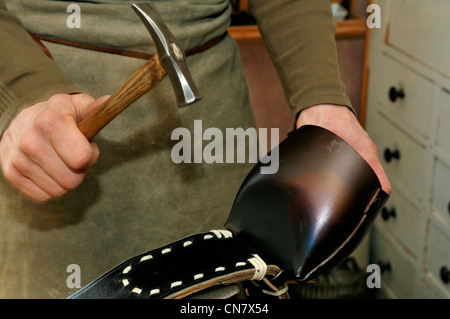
point(170, 60)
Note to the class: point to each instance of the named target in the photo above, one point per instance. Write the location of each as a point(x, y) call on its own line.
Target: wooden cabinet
point(404, 95)
point(408, 116)
point(420, 30)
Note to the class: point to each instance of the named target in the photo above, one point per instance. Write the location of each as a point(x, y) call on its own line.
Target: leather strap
point(128, 53)
point(184, 267)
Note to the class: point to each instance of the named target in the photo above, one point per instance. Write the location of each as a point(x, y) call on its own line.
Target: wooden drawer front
point(441, 190)
point(443, 138)
point(421, 30)
point(413, 111)
point(405, 222)
point(426, 289)
point(437, 255)
point(400, 277)
point(411, 166)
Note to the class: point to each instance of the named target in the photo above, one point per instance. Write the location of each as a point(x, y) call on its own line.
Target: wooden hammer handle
point(144, 79)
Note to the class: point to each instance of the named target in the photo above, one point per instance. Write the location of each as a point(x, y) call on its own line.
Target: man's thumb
point(86, 104)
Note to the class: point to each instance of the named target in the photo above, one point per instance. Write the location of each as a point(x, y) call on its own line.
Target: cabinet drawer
point(403, 160)
point(443, 137)
point(426, 289)
point(437, 255)
point(413, 109)
point(405, 221)
point(400, 272)
point(440, 190)
point(421, 31)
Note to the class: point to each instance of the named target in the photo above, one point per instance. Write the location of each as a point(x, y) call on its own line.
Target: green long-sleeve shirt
point(26, 75)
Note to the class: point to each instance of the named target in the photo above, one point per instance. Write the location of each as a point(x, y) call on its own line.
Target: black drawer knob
point(389, 155)
point(395, 94)
point(384, 266)
point(388, 213)
point(445, 275)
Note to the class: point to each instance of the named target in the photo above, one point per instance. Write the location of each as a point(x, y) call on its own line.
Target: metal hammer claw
point(170, 60)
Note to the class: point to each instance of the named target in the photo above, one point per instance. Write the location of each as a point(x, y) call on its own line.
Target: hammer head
point(170, 54)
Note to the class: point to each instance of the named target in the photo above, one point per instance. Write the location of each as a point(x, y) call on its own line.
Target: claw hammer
point(170, 61)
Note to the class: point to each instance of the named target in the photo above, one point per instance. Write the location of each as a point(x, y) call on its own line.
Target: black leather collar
point(182, 268)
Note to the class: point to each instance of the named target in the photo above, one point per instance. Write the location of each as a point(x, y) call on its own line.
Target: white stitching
point(220, 269)
point(154, 292)
point(198, 276)
point(125, 282)
point(147, 257)
point(175, 284)
point(226, 233)
point(187, 243)
point(126, 270)
point(137, 290)
point(240, 264)
point(217, 233)
point(221, 233)
point(166, 251)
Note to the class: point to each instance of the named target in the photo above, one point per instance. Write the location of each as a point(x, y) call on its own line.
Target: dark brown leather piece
point(315, 210)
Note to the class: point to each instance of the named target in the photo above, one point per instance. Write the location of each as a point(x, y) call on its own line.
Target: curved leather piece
point(180, 269)
point(315, 210)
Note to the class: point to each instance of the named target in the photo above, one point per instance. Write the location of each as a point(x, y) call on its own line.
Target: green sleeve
point(27, 75)
point(300, 38)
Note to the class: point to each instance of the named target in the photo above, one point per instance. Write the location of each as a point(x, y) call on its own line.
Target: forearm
point(300, 37)
point(27, 75)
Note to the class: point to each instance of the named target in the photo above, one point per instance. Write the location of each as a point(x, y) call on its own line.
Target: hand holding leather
point(341, 121)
